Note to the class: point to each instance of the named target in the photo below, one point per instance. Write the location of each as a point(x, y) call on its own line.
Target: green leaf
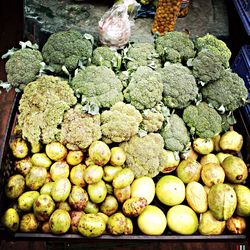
point(5, 85)
point(28, 44)
point(89, 37)
point(9, 53)
point(91, 108)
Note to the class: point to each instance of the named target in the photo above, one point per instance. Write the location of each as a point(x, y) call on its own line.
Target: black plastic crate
point(241, 66)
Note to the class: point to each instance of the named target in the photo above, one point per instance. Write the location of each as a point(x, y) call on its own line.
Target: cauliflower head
point(98, 84)
point(202, 120)
point(142, 54)
point(120, 123)
point(79, 129)
point(207, 66)
point(175, 134)
point(104, 56)
point(152, 120)
point(66, 48)
point(227, 93)
point(23, 67)
point(215, 45)
point(143, 154)
point(145, 88)
point(179, 86)
point(175, 47)
point(42, 108)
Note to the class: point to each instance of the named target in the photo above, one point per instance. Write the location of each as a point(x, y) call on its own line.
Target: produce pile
point(130, 141)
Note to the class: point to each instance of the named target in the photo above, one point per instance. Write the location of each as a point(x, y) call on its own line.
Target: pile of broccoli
point(146, 98)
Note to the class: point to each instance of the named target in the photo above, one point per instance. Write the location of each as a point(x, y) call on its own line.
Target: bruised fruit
point(75, 218)
point(58, 170)
point(182, 219)
point(74, 157)
point(212, 173)
point(46, 188)
point(209, 158)
point(11, 219)
point(122, 194)
point(109, 172)
point(104, 217)
point(64, 205)
point(61, 190)
point(133, 207)
point(209, 225)
point(36, 177)
point(129, 227)
point(43, 207)
point(99, 153)
point(91, 208)
point(236, 225)
point(222, 201)
point(19, 148)
point(97, 192)
point(196, 197)
point(235, 169)
point(109, 206)
point(231, 141)
point(45, 227)
point(23, 166)
point(203, 146)
point(123, 178)
point(152, 221)
point(26, 200)
point(77, 175)
point(168, 161)
point(56, 151)
point(78, 198)
point(189, 154)
point(59, 221)
point(116, 223)
point(118, 156)
point(91, 225)
point(93, 174)
point(15, 186)
point(41, 160)
point(170, 190)
point(29, 223)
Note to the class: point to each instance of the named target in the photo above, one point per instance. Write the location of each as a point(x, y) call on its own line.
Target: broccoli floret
point(98, 84)
point(66, 48)
point(142, 54)
point(217, 46)
point(23, 67)
point(152, 120)
point(145, 88)
point(143, 154)
point(120, 123)
point(175, 47)
point(202, 120)
point(227, 93)
point(79, 129)
point(104, 56)
point(42, 107)
point(179, 86)
point(175, 134)
point(207, 66)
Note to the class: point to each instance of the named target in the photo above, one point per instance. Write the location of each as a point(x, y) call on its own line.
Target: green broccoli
point(228, 120)
point(79, 129)
point(120, 123)
point(217, 46)
point(23, 67)
point(152, 120)
point(175, 134)
point(227, 93)
point(202, 120)
point(42, 107)
point(175, 47)
point(104, 56)
point(145, 88)
point(143, 154)
point(179, 86)
point(68, 49)
point(142, 54)
point(98, 84)
point(207, 66)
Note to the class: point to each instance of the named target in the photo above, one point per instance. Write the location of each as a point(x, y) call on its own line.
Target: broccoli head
point(79, 129)
point(202, 120)
point(23, 67)
point(142, 54)
point(145, 88)
point(42, 107)
point(227, 93)
point(207, 66)
point(98, 84)
point(175, 47)
point(66, 48)
point(152, 120)
point(215, 45)
point(175, 134)
point(104, 56)
point(179, 86)
point(143, 154)
point(120, 123)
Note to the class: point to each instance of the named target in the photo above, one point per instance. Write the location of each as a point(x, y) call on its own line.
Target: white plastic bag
point(115, 24)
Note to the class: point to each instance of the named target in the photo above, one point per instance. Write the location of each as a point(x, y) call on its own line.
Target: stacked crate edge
point(241, 66)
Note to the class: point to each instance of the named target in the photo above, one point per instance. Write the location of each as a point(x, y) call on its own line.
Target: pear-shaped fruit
point(56, 151)
point(169, 161)
point(11, 219)
point(109, 206)
point(231, 141)
point(236, 225)
point(59, 221)
point(74, 157)
point(15, 186)
point(99, 153)
point(29, 223)
point(118, 156)
point(243, 200)
point(203, 146)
